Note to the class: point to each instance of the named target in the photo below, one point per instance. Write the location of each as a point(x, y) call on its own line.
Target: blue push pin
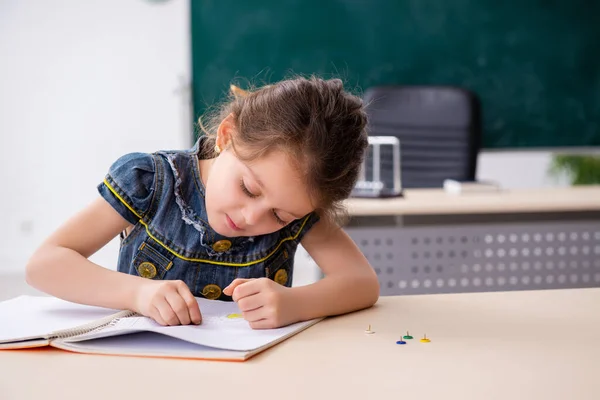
point(400, 341)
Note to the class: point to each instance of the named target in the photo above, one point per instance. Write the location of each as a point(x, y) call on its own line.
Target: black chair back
point(439, 130)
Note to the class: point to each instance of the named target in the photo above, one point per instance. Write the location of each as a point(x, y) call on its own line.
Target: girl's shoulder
point(129, 185)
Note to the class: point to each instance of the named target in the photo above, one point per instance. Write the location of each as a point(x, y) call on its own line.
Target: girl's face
point(251, 199)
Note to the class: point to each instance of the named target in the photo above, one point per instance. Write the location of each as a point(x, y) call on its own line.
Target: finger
point(167, 313)
point(246, 289)
point(179, 307)
point(262, 324)
point(155, 315)
point(191, 303)
point(236, 282)
point(250, 303)
point(255, 315)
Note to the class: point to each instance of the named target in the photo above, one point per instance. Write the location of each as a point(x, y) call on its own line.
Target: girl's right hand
point(167, 302)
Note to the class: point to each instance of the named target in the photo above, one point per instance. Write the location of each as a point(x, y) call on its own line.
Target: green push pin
point(407, 336)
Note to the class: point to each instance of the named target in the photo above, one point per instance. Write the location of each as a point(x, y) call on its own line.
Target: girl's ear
point(237, 92)
point(225, 132)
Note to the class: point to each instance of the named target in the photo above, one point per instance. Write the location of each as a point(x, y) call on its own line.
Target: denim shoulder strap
point(159, 180)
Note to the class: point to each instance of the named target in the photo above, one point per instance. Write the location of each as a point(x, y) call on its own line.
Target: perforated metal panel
point(474, 258)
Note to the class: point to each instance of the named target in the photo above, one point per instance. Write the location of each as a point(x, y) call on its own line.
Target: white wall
point(518, 169)
point(81, 83)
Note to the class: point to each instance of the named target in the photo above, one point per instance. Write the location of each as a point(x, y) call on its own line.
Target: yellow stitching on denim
point(120, 198)
point(156, 254)
point(224, 263)
point(142, 246)
point(169, 266)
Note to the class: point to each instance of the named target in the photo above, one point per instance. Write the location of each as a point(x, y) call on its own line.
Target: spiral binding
point(97, 325)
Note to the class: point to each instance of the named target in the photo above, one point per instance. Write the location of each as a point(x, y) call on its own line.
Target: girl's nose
point(252, 214)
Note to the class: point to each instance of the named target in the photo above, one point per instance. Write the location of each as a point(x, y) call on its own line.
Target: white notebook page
point(148, 344)
point(30, 317)
point(221, 327)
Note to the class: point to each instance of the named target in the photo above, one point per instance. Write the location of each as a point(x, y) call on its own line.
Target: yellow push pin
point(369, 331)
point(425, 340)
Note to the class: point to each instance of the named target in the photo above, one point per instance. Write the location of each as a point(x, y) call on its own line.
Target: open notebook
point(30, 321)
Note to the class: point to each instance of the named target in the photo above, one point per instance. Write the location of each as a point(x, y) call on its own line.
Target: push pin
point(407, 336)
point(369, 331)
point(400, 341)
point(425, 340)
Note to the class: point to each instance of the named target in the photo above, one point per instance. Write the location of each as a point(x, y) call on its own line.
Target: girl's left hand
point(264, 303)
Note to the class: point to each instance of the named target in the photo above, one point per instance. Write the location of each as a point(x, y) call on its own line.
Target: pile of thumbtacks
point(425, 339)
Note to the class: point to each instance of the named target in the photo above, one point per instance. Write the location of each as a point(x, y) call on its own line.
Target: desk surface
point(517, 345)
point(436, 201)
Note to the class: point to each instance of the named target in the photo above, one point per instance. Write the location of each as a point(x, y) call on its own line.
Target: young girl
point(223, 220)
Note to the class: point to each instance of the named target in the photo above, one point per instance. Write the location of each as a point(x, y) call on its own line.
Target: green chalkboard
point(534, 64)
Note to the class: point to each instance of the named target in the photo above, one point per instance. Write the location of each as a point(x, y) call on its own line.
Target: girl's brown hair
point(315, 121)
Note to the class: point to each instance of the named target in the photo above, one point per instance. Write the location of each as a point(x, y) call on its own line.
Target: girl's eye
point(253, 196)
point(246, 191)
point(279, 220)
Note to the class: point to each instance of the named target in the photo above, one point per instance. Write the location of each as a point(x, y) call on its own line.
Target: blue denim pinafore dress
point(162, 196)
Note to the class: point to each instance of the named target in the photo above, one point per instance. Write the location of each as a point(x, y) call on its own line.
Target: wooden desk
point(437, 201)
point(515, 345)
point(434, 242)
